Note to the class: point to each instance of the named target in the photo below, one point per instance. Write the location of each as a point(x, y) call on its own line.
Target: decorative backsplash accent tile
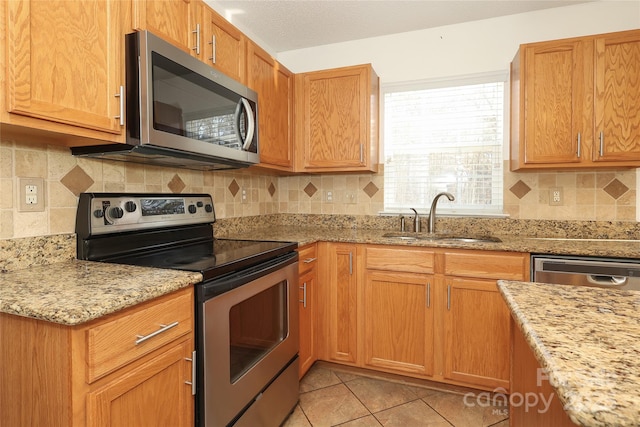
point(371, 189)
point(616, 189)
point(520, 189)
point(310, 189)
point(176, 184)
point(271, 189)
point(234, 188)
point(77, 180)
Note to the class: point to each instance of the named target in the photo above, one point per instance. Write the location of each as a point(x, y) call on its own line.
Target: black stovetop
point(212, 258)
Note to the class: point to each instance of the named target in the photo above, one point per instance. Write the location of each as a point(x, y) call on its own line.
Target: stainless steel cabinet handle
point(163, 328)
point(602, 143)
point(361, 153)
point(192, 383)
point(304, 295)
point(197, 33)
point(121, 96)
point(213, 49)
point(309, 260)
point(428, 295)
point(448, 297)
point(351, 263)
point(579, 143)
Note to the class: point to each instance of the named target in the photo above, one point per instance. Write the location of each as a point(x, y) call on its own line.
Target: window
point(445, 136)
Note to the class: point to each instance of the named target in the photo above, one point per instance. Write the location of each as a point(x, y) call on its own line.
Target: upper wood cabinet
point(63, 67)
point(274, 85)
point(173, 20)
point(574, 103)
point(219, 44)
point(337, 120)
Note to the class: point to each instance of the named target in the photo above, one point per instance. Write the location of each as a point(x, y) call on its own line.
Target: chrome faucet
point(416, 221)
point(432, 213)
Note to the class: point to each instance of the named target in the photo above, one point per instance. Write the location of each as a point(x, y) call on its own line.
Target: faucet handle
point(416, 221)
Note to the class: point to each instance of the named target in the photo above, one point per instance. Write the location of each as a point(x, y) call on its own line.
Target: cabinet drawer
point(308, 258)
point(399, 259)
point(120, 340)
point(489, 265)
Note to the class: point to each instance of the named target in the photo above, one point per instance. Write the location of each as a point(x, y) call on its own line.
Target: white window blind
point(445, 136)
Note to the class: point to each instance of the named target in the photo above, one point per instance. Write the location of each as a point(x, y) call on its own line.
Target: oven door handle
point(163, 328)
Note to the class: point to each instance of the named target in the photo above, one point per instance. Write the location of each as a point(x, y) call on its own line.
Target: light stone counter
point(510, 243)
point(588, 340)
point(76, 292)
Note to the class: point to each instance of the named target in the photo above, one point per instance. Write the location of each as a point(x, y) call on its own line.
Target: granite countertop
point(306, 235)
point(588, 340)
point(76, 292)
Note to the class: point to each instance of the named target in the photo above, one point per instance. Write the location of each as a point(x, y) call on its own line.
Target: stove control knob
point(116, 212)
point(98, 213)
point(200, 204)
point(192, 209)
point(208, 208)
point(130, 206)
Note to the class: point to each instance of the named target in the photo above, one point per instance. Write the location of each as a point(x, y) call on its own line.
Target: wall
point(459, 49)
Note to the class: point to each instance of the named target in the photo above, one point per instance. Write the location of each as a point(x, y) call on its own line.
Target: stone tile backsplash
point(588, 195)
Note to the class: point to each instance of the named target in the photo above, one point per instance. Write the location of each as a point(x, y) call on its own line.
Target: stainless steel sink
point(404, 235)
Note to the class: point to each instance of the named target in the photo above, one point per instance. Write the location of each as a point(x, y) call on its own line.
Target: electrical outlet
point(328, 196)
point(244, 196)
point(31, 194)
point(350, 198)
point(555, 196)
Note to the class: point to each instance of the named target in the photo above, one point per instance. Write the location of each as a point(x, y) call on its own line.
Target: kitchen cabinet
point(173, 20)
point(63, 69)
point(274, 84)
point(220, 44)
point(476, 319)
point(101, 373)
point(398, 309)
point(307, 273)
point(338, 302)
point(430, 313)
point(528, 379)
point(337, 120)
point(573, 103)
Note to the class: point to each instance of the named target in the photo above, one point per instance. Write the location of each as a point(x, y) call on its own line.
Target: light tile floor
point(332, 395)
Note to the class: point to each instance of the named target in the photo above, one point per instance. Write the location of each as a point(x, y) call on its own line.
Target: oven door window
point(257, 325)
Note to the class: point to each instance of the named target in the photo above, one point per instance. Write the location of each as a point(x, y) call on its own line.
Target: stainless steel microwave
point(182, 112)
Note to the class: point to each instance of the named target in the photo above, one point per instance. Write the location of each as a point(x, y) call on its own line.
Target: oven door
point(249, 336)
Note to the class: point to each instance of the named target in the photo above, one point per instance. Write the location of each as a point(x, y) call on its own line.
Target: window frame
point(451, 81)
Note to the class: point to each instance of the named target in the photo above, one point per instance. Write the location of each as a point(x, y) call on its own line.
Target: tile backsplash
point(588, 195)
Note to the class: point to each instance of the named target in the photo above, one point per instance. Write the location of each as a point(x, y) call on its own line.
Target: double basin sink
point(405, 235)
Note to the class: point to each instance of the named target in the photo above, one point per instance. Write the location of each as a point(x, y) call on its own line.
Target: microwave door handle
point(251, 126)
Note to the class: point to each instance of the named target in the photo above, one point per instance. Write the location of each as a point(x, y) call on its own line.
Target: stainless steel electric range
point(245, 307)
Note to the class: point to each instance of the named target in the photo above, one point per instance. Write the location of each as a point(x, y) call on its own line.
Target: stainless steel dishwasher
point(586, 271)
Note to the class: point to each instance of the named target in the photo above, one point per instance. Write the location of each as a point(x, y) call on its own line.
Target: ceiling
point(294, 24)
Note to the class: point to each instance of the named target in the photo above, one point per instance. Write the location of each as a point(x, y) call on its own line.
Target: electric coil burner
point(246, 305)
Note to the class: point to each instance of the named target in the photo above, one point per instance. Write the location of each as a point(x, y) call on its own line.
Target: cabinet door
point(153, 394)
point(223, 45)
point(64, 62)
point(306, 316)
point(341, 299)
point(617, 104)
point(557, 83)
point(274, 85)
point(398, 322)
point(337, 119)
point(476, 327)
point(169, 19)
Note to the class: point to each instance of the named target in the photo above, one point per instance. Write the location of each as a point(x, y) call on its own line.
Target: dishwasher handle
point(605, 280)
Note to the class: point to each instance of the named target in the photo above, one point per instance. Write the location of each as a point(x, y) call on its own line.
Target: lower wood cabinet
point(527, 379)
point(307, 273)
point(424, 312)
point(58, 378)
